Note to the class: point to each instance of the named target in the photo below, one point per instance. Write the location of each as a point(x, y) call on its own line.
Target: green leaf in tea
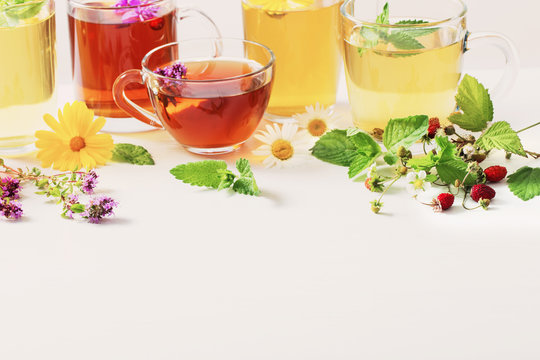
point(335, 147)
point(403, 41)
point(404, 132)
point(475, 103)
point(22, 9)
point(384, 16)
point(501, 136)
point(415, 32)
point(132, 154)
point(525, 183)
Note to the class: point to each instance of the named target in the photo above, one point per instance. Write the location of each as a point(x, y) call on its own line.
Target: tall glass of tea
point(304, 35)
point(27, 72)
point(209, 94)
point(110, 37)
point(405, 57)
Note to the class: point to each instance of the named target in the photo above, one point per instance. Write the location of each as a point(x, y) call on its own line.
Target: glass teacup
point(409, 65)
point(220, 102)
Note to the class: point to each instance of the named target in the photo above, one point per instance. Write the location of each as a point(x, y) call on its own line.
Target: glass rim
point(250, 74)
point(350, 17)
point(80, 4)
point(300, 9)
point(14, 6)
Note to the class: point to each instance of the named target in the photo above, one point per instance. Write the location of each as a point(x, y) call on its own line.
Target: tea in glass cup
point(397, 65)
point(27, 72)
point(110, 37)
point(216, 99)
point(304, 36)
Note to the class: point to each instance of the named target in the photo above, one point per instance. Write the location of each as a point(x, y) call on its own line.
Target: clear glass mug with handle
point(405, 57)
point(110, 37)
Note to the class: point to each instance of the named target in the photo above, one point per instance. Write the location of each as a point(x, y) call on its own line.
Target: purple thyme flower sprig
point(142, 12)
point(98, 208)
point(9, 188)
point(175, 71)
point(68, 204)
point(89, 182)
point(11, 209)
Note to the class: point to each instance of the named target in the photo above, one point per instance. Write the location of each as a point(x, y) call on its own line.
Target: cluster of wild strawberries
point(480, 193)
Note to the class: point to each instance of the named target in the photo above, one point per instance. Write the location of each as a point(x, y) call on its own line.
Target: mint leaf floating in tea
point(525, 183)
point(214, 174)
point(136, 10)
point(21, 9)
point(476, 107)
point(384, 16)
point(132, 154)
point(501, 136)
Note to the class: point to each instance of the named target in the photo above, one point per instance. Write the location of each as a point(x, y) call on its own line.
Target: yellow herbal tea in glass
point(397, 65)
point(27, 72)
point(304, 36)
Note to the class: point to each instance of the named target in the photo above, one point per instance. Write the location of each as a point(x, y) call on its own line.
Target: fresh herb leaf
point(132, 154)
point(403, 41)
point(475, 103)
point(367, 151)
point(425, 163)
point(246, 183)
point(22, 11)
point(411, 22)
point(415, 31)
point(501, 136)
point(242, 165)
point(384, 16)
point(335, 147)
point(390, 158)
point(456, 169)
point(404, 132)
point(525, 183)
point(206, 173)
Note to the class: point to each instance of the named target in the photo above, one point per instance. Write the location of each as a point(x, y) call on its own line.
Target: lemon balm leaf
point(403, 41)
point(335, 147)
point(206, 173)
point(132, 154)
point(475, 103)
point(404, 132)
point(525, 183)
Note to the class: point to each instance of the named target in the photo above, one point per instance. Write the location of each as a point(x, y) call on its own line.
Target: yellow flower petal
point(86, 160)
point(95, 126)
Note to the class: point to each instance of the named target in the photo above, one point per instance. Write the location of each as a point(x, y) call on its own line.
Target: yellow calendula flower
point(281, 5)
point(74, 142)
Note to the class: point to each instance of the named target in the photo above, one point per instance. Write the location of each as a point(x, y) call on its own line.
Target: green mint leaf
point(132, 154)
point(367, 151)
point(227, 179)
point(206, 173)
point(384, 16)
point(475, 103)
point(390, 158)
point(411, 22)
point(501, 136)
point(525, 183)
point(246, 186)
point(335, 148)
point(431, 178)
point(447, 149)
point(425, 163)
point(242, 165)
point(456, 169)
point(360, 163)
point(404, 132)
point(22, 11)
point(415, 31)
point(403, 41)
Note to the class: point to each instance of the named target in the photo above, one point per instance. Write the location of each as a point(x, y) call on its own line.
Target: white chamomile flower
point(283, 147)
point(417, 184)
point(317, 120)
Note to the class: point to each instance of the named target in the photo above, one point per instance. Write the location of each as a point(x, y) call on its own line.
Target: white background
point(304, 271)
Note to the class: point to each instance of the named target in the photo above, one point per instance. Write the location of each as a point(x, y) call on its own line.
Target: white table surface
point(305, 271)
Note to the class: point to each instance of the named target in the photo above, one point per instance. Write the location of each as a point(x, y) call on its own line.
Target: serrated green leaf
point(335, 147)
point(390, 158)
point(78, 208)
point(243, 167)
point(404, 132)
point(227, 179)
point(384, 16)
point(425, 163)
point(415, 31)
point(132, 154)
point(525, 183)
point(403, 41)
point(19, 11)
point(370, 37)
point(501, 136)
point(475, 103)
point(206, 173)
point(456, 169)
point(246, 186)
point(446, 149)
point(365, 143)
point(431, 178)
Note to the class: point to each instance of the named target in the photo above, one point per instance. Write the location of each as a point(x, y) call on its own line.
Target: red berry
point(495, 173)
point(157, 24)
point(434, 125)
point(445, 201)
point(367, 184)
point(482, 191)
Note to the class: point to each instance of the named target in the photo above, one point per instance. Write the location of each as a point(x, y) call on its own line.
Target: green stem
point(388, 187)
point(533, 154)
point(528, 127)
point(424, 147)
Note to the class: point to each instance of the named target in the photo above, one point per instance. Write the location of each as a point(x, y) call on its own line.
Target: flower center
point(282, 149)
point(77, 143)
point(317, 127)
point(418, 184)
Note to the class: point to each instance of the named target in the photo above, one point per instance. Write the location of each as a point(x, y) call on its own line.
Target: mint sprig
point(20, 9)
point(214, 174)
point(133, 154)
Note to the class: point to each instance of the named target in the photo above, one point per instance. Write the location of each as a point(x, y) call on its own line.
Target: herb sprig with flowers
point(454, 161)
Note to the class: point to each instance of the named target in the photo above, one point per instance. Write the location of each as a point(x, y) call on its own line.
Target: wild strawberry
point(443, 202)
point(374, 184)
point(367, 184)
point(434, 125)
point(495, 173)
point(482, 191)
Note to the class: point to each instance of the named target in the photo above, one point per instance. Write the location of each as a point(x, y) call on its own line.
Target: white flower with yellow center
point(281, 5)
point(317, 120)
point(283, 147)
point(417, 184)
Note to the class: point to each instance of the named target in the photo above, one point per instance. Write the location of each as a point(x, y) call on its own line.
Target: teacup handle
point(186, 12)
point(124, 103)
point(509, 51)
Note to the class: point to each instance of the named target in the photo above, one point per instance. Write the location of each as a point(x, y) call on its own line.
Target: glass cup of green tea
point(209, 94)
point(27, 72)
point(405, 57)
point(304, 36)
point(109, 37)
